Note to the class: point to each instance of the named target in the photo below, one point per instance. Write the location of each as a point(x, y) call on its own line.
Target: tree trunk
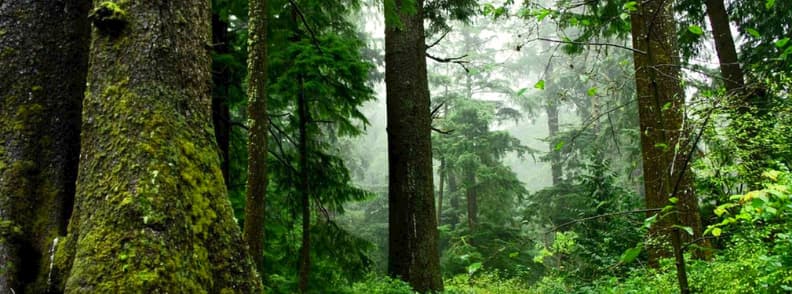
point(221, 78)
point(151, 212)
point(733, 77)
point(257, 135)
point(555, 156)
point(661, 112)
point(413, 237)
point(44, 53)
point(453, 194)
point(305, 249)
point(472, 199)
point(442, 173)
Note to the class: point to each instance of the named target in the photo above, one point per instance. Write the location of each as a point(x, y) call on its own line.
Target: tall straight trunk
point(453, 197)
point(305, 249)
point(661, 102)
point(44, 54)
point(440, 189)
point(221, 78)
point(257, 179)
point(754, 103)
point(413, 237)
point(151, 211)
point(733, 77)
point(551, 108)
point(472, 199)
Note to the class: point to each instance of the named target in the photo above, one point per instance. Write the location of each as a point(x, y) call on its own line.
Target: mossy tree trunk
point(413, 237)
point(257, 179)
point(44, 54)
point(151, 212)
point(661, 108)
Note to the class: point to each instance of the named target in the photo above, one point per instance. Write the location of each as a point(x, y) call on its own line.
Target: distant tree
point(151, 210)
point(44, 54)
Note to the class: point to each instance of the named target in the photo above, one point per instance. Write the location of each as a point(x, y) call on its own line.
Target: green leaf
point(521, 92)
point(673, 200)
point(514, 254)
point(753, 33)
point(667, 106)
point(540, 85)
point(559, 145)
point(769, 4)
point(782, 43)
point(649, 221)
point(661, 146)
point(696, 30)
point(630, 6)
point(716, 232)
point(473, 268)
point(630, 254)
point(687, 229)
point(592, 91)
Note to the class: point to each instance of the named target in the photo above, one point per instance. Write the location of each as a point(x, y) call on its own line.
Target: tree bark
point(305, 249)
point(151, 212)
point(661, 102)
point(44, 53)
point(733, 77)
point(413, 237)
point(257, 178)
point(440, 189)
point(221, 79)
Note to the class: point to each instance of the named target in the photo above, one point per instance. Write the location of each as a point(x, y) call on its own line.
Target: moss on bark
point(43, 48)
point(151, 213)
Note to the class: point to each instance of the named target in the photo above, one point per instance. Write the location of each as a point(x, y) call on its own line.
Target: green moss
point(109, 18)
point(7, 52)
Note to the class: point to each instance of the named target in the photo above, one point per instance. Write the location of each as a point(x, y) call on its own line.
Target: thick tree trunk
point(413, 237)
point(257, 178)
point(221, 78)
point(151, 212)
point(44, 53)
point(661, 102)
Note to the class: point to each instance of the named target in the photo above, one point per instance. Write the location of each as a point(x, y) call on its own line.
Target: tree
point(151, 213)
point(258, 177)
point(40, 104)
point(413, 235)
point(661, 106)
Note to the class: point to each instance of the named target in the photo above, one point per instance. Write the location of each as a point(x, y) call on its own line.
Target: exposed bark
point(151, 213)
point(733, 76)
point(305, 248)
point(441, 187)
point(257, 179)
point(221, 78)
point(44, 53)
point(413, 237)
point(661, 111)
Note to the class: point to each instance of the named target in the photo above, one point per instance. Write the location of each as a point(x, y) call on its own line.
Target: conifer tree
point(44, 54)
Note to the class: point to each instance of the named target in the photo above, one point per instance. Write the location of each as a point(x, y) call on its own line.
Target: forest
point(395, 146)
